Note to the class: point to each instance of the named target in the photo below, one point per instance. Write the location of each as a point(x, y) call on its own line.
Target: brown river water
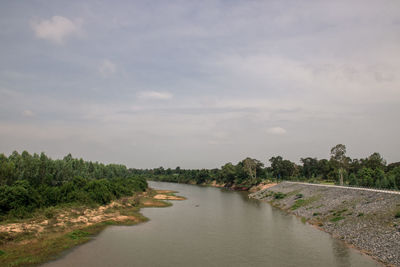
point(213, 227)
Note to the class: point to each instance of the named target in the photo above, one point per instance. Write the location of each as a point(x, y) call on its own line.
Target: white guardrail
point(349, 187)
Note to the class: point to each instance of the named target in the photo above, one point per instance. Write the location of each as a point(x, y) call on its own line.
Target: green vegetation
point(304, 202)
point(31, 182)
point(78, 234)
point(397, 215)
point(337, 218)
point(368, 172)
point(279, 195)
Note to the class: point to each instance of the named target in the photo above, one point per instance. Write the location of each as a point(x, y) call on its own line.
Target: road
point(352, 188)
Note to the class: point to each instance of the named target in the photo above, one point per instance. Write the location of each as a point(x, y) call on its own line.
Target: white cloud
point(107, 68)
point(155, 95)
point(57, 29)
point(28, 113)
point(276, 131)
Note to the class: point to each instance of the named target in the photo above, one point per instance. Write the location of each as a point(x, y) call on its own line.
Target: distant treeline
point(29, 182)
point(340, 169)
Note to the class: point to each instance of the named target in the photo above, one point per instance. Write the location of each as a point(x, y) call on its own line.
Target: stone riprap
point(367, 220)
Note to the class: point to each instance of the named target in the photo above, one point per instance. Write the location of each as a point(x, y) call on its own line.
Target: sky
point(197, 84)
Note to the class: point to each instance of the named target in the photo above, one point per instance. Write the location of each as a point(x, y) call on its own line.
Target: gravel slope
point(364, 219)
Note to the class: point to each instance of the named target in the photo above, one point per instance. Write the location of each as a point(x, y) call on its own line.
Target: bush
point(279, 195)
point(397, 215)
point(299, 196)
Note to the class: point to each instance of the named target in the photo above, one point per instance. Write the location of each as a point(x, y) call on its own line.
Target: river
point(213, 227)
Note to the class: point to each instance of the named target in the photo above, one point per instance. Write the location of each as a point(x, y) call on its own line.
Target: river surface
point(213, 227)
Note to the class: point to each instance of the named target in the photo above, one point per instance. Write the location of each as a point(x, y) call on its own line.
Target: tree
point(228, 173)
point(252, 167)
point(282, 169)
point(310, 167)
point(375, 161)
point(338, 156)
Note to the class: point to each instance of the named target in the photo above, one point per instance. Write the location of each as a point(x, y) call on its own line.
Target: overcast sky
point(197, 84)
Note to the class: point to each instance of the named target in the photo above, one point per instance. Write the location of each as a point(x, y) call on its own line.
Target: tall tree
point(338, 155)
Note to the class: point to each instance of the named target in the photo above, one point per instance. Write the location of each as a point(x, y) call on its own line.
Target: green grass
point(336, 219)
point(397, 215)
point(304, 202)
point(78, 234)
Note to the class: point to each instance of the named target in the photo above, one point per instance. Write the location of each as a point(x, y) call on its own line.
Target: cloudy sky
point(199, 83)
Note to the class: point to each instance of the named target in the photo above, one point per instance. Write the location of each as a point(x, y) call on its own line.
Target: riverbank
point(51, 231)
point(369, 221)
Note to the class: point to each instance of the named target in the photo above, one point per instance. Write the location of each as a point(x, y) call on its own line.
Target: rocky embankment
point(370, 221)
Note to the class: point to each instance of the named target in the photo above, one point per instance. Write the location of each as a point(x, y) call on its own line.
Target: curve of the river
point(213, 227)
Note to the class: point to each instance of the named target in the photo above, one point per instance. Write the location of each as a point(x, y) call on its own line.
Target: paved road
point(348, 187)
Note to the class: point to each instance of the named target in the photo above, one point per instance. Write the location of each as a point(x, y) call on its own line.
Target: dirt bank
point(366, 220)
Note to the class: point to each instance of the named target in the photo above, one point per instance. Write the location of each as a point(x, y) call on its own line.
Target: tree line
point(372, 171)
point(29, 182)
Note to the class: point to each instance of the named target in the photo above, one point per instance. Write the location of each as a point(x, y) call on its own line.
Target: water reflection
point(341, 252)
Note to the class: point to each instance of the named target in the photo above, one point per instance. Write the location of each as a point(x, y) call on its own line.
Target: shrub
point(49, 213)
point(279, 195)
point(397, 215)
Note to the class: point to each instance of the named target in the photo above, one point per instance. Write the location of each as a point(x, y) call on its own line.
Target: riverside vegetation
point(372, 171)
point(47, 206)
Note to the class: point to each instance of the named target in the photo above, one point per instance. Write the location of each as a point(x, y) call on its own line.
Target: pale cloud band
point(57, 28)
point(276, 131)
point(154, 95)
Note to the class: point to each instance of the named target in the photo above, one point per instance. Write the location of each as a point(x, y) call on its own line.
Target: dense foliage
point(368, 172)
point(28, 182)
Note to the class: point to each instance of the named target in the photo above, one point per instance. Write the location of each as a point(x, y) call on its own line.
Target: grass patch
point(336, 219)
point(303, 219)
point(397, 215)
point(304, 202)
point(78, 234)
point(2, 252)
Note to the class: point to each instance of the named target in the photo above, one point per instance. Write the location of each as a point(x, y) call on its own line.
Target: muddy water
point(213, 227)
